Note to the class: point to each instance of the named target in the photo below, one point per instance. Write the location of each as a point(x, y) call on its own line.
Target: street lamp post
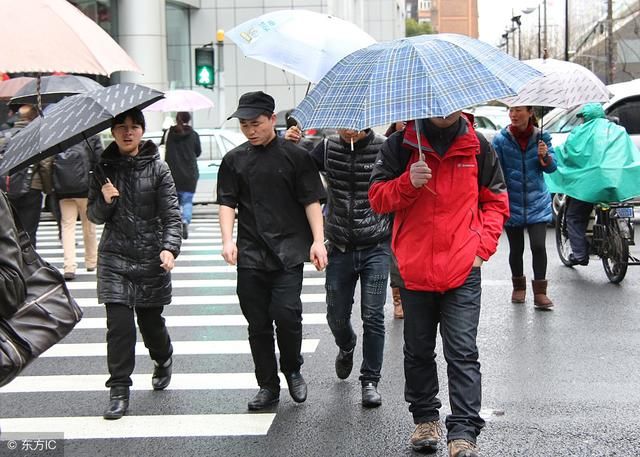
point(516, 20)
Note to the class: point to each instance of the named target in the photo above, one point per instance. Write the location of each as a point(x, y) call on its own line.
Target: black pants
point(458, 312)
point(265, 297)
point(29, 207)
point(121, 340)
point(537, 241)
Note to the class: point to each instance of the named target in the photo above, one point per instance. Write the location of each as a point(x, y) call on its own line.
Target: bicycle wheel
point(615, 258)
point(562, 235)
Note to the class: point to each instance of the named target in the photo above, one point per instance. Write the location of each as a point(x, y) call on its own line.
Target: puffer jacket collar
point(148, 151)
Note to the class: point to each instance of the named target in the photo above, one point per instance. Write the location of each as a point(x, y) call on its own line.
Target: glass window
point(178, 49)
point(628, 114)
point(565, 122)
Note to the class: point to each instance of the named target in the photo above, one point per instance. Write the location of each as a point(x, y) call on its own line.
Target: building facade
point(161, 35)
point(454, 16)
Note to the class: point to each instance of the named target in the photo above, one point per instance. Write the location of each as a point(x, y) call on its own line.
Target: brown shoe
point(540, 299)
point(519, 289)
point(426, 436)
point(397, 303)
point(463, 448)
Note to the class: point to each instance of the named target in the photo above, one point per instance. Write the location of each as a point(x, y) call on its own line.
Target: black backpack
point(70, 172)
point(19, 183)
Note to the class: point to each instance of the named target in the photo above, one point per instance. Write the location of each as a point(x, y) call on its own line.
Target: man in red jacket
point(450, 208)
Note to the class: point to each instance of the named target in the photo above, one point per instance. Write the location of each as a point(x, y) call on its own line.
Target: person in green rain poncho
point(597, 164)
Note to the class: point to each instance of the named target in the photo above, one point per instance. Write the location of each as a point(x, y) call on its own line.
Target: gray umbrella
point(53, 89)
point(72, 120)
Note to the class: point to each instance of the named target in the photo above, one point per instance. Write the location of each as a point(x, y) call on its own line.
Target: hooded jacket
point(183, 150)
point(143, 221)
point(529, 199)
point(437, 237)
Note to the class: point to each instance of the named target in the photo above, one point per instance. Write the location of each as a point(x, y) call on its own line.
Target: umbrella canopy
point(302, 42)
point(71, 120)
point(46, 36)
point(9, 87)
point(564, 85)
point(411, 78)
point(181, 100)
point(53, 89)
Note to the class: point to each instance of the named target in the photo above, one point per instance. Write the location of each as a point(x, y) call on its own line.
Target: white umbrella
point(181, 100)
point(45, 36)
point(302, 42)
point(564, 85)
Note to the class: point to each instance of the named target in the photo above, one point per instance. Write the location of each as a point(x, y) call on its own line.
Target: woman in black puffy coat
point(133, 194)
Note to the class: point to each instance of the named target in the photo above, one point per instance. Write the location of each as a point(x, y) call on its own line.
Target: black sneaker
point(344, 363)
point(370, 396)
point(574, 261)
point(69, 276)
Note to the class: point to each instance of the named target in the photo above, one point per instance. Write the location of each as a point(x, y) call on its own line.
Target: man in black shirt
point(276, 189)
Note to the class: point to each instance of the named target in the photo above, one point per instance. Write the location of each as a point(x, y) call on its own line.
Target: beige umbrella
point(45, 36)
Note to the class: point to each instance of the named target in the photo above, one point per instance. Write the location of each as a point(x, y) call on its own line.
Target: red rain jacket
point(436, 237)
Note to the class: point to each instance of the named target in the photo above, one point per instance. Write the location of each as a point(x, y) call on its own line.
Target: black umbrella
point(72, 120)
point(52, 89)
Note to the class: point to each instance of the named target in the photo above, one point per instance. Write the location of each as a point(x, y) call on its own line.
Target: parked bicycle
point(610, 233)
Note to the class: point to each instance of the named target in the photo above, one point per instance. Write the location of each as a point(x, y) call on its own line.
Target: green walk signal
point(205, 75)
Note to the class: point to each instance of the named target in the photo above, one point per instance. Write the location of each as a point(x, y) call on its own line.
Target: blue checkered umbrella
point(411, 78)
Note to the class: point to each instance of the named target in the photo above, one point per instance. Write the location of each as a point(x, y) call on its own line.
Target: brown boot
point(540, 299)
point(519, 289)
point(397, 304)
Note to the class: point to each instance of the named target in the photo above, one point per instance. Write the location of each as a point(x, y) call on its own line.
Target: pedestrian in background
point(395, 281)
point(134, 196)
point(276, 188)
point(71, 172)
point(182, 151)
point(358, 249)
point(525, 153)
point(26, 186)
point(449, 208)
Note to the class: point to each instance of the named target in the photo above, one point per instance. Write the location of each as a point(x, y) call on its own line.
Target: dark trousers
point(395, 280)
point(265, 297)
point(29, 207)
point(537, 241)
point(371, 266)
point(457, 311)
point(121, 340)
point(578, 213)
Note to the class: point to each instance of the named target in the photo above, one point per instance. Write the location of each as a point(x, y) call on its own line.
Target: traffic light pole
point(222, 116)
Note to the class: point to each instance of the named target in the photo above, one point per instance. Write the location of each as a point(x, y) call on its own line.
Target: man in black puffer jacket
point(134, 196)
point(358, 249)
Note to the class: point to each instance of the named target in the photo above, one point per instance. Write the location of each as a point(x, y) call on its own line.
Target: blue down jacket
point(529, 198)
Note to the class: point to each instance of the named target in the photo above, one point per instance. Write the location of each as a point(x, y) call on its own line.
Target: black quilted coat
point(139, 224)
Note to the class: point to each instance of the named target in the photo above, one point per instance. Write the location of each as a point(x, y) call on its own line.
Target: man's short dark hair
point(135, 114)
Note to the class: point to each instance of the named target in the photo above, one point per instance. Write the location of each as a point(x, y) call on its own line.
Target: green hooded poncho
point(598, 163)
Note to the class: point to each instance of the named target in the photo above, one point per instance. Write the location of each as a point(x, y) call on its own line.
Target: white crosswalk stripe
point(203, 320)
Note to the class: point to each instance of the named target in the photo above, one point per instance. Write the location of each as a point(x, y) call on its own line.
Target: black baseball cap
point(253, 104)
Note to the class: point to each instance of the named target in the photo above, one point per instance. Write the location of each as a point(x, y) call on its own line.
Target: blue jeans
point(578, 213)
point(185, 199)
point(457, 311)
point(371, 266)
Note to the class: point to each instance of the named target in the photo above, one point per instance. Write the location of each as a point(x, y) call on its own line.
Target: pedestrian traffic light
point(205, 75)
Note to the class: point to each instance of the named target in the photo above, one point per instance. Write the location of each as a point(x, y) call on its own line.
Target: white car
point(215, 144)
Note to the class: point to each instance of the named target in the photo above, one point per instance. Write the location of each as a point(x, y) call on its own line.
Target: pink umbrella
point(9, 87)
point(45, 36)
point(181, 100)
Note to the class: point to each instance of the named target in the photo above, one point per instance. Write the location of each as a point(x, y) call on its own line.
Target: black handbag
point(47, 315)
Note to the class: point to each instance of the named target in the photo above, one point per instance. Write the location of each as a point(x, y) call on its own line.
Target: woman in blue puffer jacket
point(525, 153)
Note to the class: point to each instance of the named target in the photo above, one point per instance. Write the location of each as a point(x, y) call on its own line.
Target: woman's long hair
point(182, 119)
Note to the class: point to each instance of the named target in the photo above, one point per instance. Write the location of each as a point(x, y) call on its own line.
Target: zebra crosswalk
point(212, 359)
